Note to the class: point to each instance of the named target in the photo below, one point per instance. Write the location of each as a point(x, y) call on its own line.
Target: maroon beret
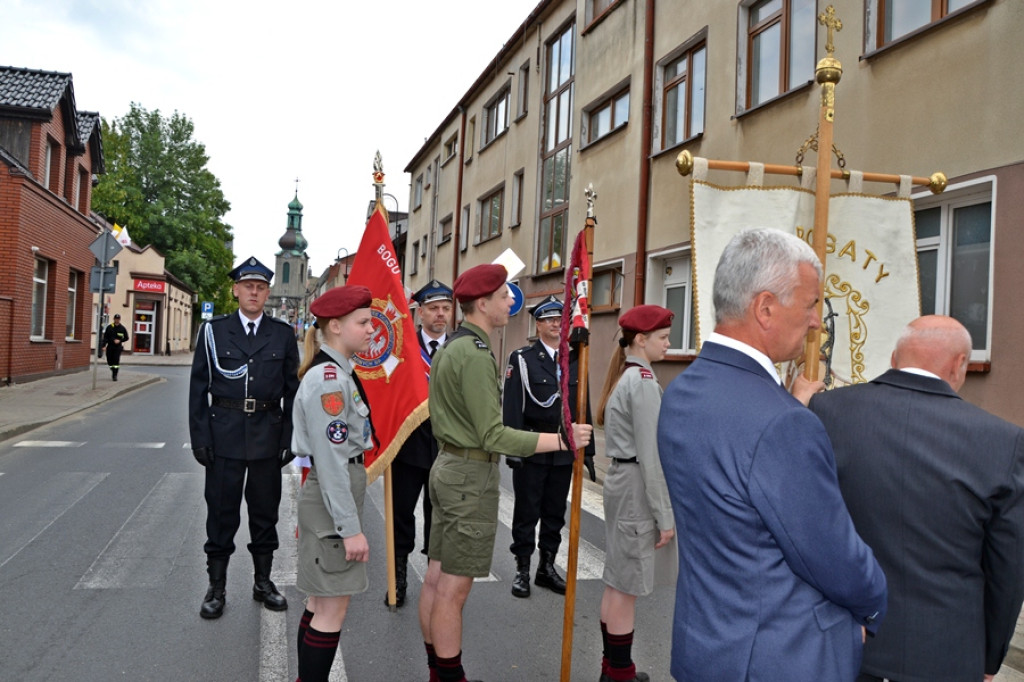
point(340, 301)
point(479, 281)
point(644, 319)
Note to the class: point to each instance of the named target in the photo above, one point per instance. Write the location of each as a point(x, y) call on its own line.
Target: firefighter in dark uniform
point(531, 402)
point(244, 380)
point(411, 466)
point(114, 338)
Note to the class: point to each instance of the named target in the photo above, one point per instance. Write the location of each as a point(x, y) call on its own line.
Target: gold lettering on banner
point(857, 308)
point(849, 250)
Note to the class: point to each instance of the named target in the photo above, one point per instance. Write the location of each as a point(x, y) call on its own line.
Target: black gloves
point(203, 455)
point(514, 462)
point(286, 456)
point(588, 461)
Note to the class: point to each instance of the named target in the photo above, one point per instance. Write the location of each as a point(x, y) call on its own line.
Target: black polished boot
point(521, 583)
point(113, 373)
point(401, 581)
point(263, 588)
point(547, 576)
point(213, 602)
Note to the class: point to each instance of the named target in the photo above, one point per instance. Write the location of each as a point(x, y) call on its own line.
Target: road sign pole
point(99, 328)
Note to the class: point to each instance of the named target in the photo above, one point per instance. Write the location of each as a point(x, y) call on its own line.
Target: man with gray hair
point(934, 486)
point(774, 582)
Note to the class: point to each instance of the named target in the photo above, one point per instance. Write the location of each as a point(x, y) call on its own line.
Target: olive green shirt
point(465, 399)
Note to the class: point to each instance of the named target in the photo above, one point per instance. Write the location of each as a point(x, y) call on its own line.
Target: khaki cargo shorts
point(464, 493)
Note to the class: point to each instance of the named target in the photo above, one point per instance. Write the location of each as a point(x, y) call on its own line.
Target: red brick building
point(49, 154)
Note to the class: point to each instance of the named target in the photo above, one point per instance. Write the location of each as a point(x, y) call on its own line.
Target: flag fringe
point(419, 415)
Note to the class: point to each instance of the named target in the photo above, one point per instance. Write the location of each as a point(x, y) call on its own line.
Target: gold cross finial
point(830, 22)
point(296, 186)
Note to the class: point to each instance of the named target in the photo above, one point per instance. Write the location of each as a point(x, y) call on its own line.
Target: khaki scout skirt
point(630, 531)
point(323, 570)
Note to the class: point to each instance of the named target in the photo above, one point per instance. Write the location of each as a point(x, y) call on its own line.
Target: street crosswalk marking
point(49, 444)
point(142, 552)
point(141, 446)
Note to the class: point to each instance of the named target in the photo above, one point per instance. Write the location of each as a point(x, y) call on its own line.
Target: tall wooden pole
point(575, 500)
point(827, 74)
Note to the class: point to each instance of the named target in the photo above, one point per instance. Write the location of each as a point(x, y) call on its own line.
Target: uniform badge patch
point(646, 373)
point(356, 398)
point(330, 372)
point(508, 372)
point(333, 403)
point(337, 432)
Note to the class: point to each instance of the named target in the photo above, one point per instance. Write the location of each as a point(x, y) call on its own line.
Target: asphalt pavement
point(29, 405)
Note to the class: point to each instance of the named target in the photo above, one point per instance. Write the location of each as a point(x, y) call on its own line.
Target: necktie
point(252, 330)
point(554, 357)
point(433, 347)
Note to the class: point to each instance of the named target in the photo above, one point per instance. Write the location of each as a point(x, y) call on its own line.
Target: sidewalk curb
point(18, 429)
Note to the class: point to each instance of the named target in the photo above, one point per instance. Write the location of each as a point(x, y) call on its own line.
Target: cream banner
point(871, 278)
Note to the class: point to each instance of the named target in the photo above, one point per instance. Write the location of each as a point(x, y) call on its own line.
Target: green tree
point(158, 186)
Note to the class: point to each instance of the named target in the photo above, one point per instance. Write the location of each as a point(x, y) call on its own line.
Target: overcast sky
point(304, 88)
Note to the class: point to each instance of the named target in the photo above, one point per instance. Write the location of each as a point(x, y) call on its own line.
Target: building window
point(517, 199)
point(69, 325)
point(82, 191)
point(780, 47)
point(464, 232)
point(286, 271)
point(669, 284)
point(451, 147)
point(39, 280)
point(897, 18)
point(470, 136)
point(491, 208)
point(608, 115)
point(496, 115)
point(954, 253)
point(523, 90)
point(423, 249)
point(596, 8)
point(51, 172)
point(426, 181)
point(413, 262)
point(683, 83)
point(417, 193)
point(606, 287)
point(558, 107)
point(445, 228)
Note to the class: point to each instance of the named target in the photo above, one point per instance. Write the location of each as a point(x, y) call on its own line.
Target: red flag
point(575, 319)
point(390, 371)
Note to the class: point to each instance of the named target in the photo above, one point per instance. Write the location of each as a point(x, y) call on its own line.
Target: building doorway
point(144, 327)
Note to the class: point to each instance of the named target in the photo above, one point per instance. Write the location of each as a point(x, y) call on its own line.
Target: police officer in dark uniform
point(114, 338)
point(244, 380)
point(410, 469)
point(541, 483)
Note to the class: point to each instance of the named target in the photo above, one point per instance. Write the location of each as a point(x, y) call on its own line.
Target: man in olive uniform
point(114, 338)
point(531, 402)
point(411, 466)
point(244, 380)
point(465, 408)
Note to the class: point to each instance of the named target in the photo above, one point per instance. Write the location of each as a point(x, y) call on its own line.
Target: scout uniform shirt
point(332, 425)
point(465, 398)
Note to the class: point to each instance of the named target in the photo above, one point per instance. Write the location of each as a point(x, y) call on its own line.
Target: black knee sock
point(604, 648)
point(431, 660)
point(450, 669)
point(318, 649)
point(307, 616)
point(620, 657)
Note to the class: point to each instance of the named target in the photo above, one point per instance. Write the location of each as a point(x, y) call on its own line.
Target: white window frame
point(659, 282)
point(417, 192)
point(451, 148)
point(464, 229)
point(72, 307)
point(497, 114)
point(516, 199)
point(413, 262)
point(959, 195)
point(523, 90)
point(39, 302)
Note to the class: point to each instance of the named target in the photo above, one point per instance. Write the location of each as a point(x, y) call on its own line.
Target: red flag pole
point(583, 358)
point(389, 520)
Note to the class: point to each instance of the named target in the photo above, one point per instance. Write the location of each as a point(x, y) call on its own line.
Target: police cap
point(433, 291)
point(549, 307)
point(252, 269)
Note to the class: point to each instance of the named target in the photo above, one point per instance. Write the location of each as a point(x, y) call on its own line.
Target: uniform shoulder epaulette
point(646, 373)
point(278, 320)
point(480, 344)
point(218, 318)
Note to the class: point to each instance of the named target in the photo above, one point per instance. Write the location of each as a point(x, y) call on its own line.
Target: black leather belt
point(627, 460)
point(246, 405)
point(358, 459)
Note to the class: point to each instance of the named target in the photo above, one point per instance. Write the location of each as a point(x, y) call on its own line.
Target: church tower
point(291, 265)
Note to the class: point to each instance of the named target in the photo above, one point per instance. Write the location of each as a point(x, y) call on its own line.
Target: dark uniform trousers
point(225, 481)
point(541, 490)
point(408, 481)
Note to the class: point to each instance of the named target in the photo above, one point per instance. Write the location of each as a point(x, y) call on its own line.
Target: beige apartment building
point(608, 93)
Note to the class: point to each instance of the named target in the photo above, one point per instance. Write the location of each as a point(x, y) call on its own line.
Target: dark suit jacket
point(520, 411)
point(774, 582)
point(934, 486)
point(420, 448)
point(273, 361)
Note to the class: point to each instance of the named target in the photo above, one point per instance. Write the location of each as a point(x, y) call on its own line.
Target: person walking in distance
point(411, 466)
point(531, 401)
point(332, 427)
point(243, 382)
point(114, 338)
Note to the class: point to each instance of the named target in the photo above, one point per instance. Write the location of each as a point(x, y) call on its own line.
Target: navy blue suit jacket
point(936, 486)
point(774, 581)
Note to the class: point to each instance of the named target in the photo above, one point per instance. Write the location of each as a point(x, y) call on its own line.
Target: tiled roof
point(33, 89)
point(88, 121)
